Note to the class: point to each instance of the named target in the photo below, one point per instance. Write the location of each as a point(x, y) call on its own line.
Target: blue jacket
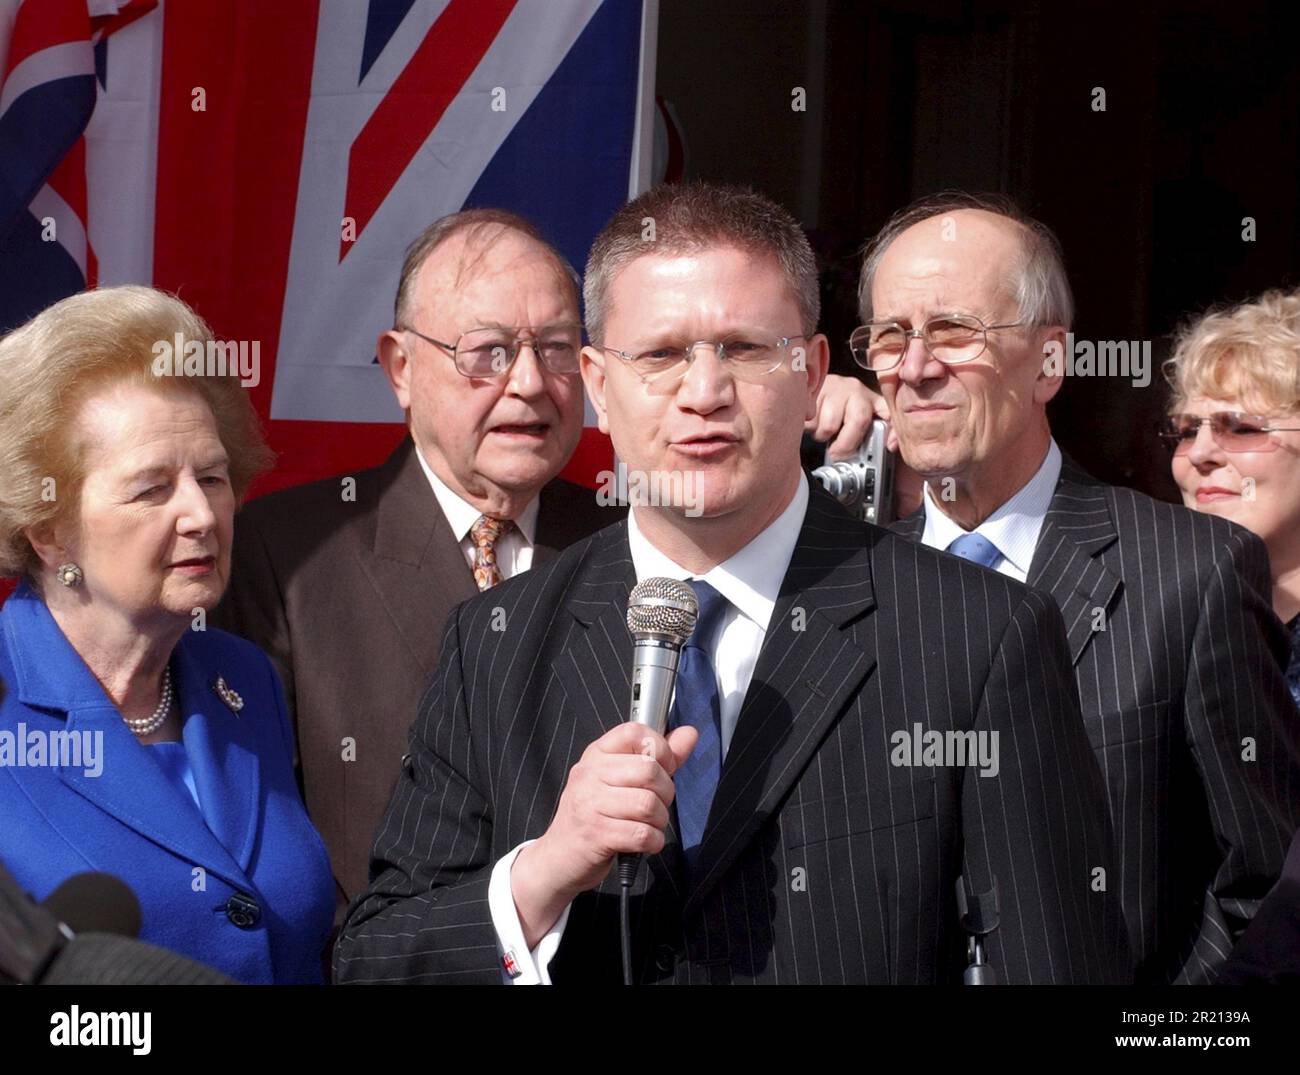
point(243, 886)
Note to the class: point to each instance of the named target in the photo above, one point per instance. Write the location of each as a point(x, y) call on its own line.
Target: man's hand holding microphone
point(616, 801)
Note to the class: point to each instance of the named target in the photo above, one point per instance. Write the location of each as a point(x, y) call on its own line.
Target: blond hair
point(52, 364)
point(1249, 352)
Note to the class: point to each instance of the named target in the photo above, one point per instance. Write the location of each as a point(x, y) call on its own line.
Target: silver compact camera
point(865, 483)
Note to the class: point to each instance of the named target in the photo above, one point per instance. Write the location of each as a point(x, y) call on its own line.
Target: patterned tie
point(976, 548)
point(698, 704)
point(485, 533)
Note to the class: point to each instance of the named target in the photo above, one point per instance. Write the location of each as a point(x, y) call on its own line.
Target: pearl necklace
point(149, 725)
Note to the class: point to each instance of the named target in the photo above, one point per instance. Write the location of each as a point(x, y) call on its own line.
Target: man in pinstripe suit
point(1176, 653)
point(816, 839)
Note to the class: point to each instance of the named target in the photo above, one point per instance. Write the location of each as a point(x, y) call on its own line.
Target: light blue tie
point(698, 704)
point(976, 548)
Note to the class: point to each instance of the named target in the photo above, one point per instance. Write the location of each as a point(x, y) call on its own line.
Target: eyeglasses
point(1232, 431)
point(749, 356)
point(490, 352)
point(879, 346)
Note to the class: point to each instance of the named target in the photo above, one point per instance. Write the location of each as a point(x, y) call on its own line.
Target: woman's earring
point(70, 574)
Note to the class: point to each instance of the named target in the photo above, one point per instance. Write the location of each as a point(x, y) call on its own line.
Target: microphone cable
point(625, 878)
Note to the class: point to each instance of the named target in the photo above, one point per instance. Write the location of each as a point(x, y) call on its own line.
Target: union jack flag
point(270, 162)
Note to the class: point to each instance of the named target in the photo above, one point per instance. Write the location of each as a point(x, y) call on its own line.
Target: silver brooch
point(232, 699)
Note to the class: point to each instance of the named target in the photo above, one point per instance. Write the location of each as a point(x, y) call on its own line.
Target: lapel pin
point(232, 699)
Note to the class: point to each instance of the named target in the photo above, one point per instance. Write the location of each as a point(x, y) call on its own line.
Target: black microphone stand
point(978, 914)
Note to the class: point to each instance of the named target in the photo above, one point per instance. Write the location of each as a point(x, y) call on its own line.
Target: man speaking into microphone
point(853, 727)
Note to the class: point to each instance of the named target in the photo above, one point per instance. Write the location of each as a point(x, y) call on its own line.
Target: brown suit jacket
point(348, 597)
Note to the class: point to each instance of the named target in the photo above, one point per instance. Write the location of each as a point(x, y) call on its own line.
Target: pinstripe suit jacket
point(822, 860)
point(1179, 661)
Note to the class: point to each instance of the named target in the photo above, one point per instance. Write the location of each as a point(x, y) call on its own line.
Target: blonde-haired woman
point(1234, 425)
point(142, 744)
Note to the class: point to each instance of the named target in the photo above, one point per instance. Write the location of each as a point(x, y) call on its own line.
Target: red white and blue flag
point(269, 163)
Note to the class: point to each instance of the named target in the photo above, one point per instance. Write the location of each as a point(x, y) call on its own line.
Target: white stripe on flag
point(68, 228)
point(59, 61)
point(333, 312)
point(122, 153)
point(390, 62)
point(643, 150)
point(8, 13)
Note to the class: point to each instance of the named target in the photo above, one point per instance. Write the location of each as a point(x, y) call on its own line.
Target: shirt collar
point(1015, 526)
point(461, 515)
point(749, 579)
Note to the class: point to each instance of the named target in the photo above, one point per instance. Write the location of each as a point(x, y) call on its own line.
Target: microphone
point(661, 615)
point(95, 903)
point(978, 913)
point(30, 937)
point(83, 934)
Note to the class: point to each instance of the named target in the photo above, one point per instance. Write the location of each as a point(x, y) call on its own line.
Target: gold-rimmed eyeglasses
point(490, 352)
point(879, 346)
point(749, 356)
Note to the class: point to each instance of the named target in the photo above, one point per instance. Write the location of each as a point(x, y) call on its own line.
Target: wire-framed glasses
point(748, 355)
point(1231, 430)
point(879, 346)
point(490, 351)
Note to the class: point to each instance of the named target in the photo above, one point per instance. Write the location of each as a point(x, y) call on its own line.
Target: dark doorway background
point(1201, 130)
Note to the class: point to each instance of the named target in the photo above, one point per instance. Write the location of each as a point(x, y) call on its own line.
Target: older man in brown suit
point(346, 582)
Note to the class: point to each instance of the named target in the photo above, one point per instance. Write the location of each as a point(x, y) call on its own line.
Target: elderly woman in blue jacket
point(133, 740)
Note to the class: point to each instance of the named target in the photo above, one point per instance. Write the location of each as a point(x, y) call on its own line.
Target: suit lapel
point(1078, 526)
point(222, 746)
point(598, 601)
point(416, 565)
point(601, 661)
point(133, 789)
point(808, 669)
point(130, 786)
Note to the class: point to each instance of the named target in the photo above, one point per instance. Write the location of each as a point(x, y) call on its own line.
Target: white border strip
point(643, 134)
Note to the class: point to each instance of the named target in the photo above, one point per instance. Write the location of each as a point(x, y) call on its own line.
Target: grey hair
point(1040, 284)
point(483, 227)
point(692, 217)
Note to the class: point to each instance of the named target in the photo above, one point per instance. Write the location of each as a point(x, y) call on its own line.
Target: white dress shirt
point(514, 549)
point(1013, 528)
point(750, 580)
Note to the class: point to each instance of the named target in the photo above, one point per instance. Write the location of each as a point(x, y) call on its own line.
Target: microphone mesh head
point(663, 607)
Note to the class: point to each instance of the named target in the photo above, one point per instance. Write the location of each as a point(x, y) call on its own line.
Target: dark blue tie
point(698, 705)
point(976, 548)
